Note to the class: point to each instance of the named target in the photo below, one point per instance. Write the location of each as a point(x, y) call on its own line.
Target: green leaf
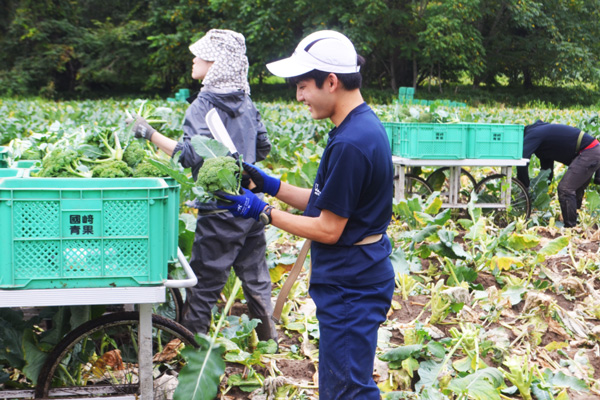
point(34, 357)
point(514, 294)
point(399, 262)
point(436, 349)
point(429, 371)
point(425, 233)
point(554, 246)
point(592, 200)
point(249, 384)
point(562, 380)
point(434, 205)
point(206, 147)
point(199, 379)
point(521, 242)
point(228, 180)
point(401, 353)
point(481, 385)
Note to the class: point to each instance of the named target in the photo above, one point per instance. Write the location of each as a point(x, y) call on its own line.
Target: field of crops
point(481, 311)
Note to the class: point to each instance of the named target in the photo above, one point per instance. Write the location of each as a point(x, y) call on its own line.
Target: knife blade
point(218, 130)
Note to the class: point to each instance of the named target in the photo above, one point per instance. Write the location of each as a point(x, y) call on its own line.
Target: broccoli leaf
point(208, 148)
point(228, 180)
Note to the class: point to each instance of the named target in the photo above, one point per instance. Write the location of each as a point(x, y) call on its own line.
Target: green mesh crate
point(72, 232)
point(172, 218)
point(495, 141)
point(428, 141)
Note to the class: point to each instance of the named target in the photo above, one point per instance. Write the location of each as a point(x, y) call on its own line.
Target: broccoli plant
point(106, 152)
point(63, 163)
point(147, 169)
point(112, 169)
point(219, 172)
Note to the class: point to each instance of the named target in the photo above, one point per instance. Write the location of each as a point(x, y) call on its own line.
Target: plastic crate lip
point(8, 173)
point(80, 184)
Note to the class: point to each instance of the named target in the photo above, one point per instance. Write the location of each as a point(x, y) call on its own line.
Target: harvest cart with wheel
point(73, 241)
point(455, 160)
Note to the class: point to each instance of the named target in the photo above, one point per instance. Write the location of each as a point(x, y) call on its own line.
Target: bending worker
point(346, 213)
point(567, 145)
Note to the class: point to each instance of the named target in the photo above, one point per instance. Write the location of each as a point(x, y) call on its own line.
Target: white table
point(144, 296)
point(401, 164)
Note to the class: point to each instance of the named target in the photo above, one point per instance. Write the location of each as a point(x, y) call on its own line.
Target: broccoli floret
point(210, 179)
point(62, 163)
point(147, 170)
point(112, 169)
point(134, 153)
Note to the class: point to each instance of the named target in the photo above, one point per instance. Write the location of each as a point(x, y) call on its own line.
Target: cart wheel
point(439, 180)
point(100, 357)
point(416, 186)
point(489, 191)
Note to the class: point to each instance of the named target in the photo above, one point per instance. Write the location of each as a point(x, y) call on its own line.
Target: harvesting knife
point(219, 131)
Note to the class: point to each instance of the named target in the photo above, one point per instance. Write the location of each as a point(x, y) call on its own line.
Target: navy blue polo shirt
point(354, 181)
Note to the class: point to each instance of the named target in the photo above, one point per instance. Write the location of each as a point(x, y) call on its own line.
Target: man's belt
point(297, 267)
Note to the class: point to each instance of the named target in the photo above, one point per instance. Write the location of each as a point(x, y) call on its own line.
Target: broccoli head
point(112, 169)
point(219, 173)
point(134, 153)
point(147, 170)
point(62, 163)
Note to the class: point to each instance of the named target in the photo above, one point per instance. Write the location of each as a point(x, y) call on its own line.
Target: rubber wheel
point(489, 190)
point(416, 186)
point(439, 181)
point(100, 357)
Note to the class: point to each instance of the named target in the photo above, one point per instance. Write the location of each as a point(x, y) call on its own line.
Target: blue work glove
point(140, 127)
point(264, 183)
point(245, 205)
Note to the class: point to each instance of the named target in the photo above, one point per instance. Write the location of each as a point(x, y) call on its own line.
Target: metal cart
point(144, 296)
point(495, 192)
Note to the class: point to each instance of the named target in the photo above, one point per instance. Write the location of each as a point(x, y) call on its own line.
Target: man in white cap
point(346, 213)
point(222, 241)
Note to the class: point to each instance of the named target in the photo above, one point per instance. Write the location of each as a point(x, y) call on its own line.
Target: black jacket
point(551, 142)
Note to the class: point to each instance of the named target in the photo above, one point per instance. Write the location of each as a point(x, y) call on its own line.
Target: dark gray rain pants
point(221, 242)
point(574, 182)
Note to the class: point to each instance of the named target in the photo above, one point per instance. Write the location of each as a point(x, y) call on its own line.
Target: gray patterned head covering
point(228, 51)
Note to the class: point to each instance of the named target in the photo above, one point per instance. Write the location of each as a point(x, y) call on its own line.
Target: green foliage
point(199, 378)
point(62, 49)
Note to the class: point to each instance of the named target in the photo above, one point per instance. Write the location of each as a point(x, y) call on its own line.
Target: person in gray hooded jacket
point(222, 241)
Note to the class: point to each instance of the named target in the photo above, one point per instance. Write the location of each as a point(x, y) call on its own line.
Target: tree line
point(54, 47)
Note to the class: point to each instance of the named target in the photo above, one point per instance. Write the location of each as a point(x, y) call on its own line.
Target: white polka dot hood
point(227, 49)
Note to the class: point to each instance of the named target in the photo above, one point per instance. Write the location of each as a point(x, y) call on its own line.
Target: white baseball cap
point(327, 51)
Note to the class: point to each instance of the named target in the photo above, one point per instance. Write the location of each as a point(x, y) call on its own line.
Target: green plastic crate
point(499, 141)
point(172, 218)
point(11, 172)
point(428, 141)
point(25, 163)
point(73, 232)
